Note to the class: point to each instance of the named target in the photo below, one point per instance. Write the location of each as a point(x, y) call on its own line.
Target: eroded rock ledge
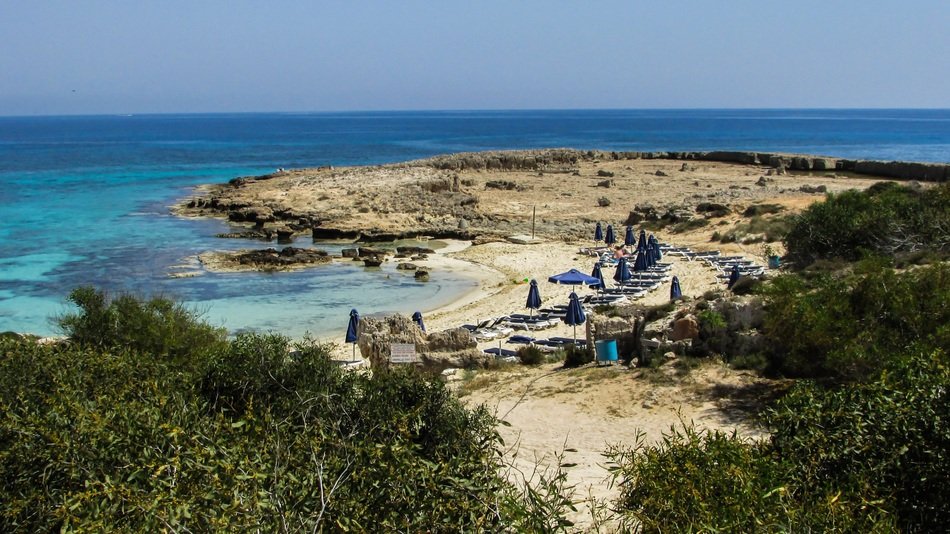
point(269, 259)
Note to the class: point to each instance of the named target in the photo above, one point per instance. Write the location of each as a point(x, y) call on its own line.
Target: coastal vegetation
point(860, 443)
point(122, 429)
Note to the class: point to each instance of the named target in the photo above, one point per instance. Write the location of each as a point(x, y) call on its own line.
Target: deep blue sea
point(84, 200)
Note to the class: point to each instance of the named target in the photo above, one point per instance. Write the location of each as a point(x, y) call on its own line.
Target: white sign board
point(402, 353)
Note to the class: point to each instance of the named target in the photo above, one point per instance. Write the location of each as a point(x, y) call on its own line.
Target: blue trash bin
point(606, 350)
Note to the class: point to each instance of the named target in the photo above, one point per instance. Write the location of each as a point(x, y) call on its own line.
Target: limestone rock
point(436, 352)
point(685, 328)
point(350, 253)
point(407, 266)
point(813, 189)
point(285, 235)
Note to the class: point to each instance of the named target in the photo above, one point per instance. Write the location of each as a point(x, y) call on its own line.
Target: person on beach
point(619, 252)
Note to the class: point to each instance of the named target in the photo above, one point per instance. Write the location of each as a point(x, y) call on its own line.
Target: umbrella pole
point(354, 352)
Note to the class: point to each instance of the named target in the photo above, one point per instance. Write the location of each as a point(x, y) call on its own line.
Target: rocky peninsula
point(552, 194)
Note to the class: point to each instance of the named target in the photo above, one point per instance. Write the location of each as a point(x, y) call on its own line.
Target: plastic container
point(775, 262)
point(606, 350)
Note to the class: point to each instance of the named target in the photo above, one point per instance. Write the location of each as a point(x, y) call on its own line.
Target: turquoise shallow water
point(84, 200)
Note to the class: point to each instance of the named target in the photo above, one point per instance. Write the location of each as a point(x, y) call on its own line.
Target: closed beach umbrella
point(733, 276)
point(417, 318)
point(622, 274)
point(675, 291)
point(598, 274)
point(534, 297)
point(609, 238)
point(642, 245)
point(575, 314)
point(657, 254)
point(651, 251)
point(352, 330)
point(598, 233)
point(642, 262)
point(628, 239)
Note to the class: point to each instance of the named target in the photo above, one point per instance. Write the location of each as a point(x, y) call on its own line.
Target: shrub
point(575, 356)
point(883, 444)
point(850, 327)
point(262, 437)
point(697, 481)
point(746, 285)
point(762, 209)
point(530, 355)
point(157, 327)
point(686, 226)
point(886, 219)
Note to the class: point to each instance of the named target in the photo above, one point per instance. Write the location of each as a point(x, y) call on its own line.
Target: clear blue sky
point(89, 56)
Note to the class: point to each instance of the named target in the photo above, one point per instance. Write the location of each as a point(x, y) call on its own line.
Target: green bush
point(530, 355)
point(762, 209)
point(158, 327)
point(883, 444)
point(886, 219)
point(850, 327)
point(575, 356)
point(250, 436)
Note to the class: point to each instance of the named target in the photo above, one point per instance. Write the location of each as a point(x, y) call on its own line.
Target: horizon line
point(456, 110)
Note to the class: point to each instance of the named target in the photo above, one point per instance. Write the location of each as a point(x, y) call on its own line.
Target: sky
point(173, 56)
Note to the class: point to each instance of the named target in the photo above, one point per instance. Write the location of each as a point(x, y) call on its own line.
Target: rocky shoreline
point(554, 194)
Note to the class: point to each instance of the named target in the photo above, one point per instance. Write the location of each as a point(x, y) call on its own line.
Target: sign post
point(402, 353)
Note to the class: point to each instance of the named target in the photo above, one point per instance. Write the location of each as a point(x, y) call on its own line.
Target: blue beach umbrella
point(609, 238)
point(657, 254)
point(417, 318)
point(598, 233)
point(733, 276)
point(573, 277)
point(534, 297)
point(675, 291)
point(651, 251)
point(628, 239)
point(642, 245)
point(622, 274)
point(642, 262)
point(598, 274)
point(352, 330)
point(575, 314)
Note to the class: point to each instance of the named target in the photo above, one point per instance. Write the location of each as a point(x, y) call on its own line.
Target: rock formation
point(436, 351)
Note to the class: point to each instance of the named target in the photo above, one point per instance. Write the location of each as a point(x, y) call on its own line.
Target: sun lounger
point(501, 353)
point(520, 340)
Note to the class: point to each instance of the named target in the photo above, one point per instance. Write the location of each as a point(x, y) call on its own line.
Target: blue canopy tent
point(575, 314)
point(733, 276)
point(534, 297)
point(417, 318)
point(352, 330)
point(598, 233)
point(628, 238)
point(598, 274)
point(609, 238)
point(675, 291)
point(622, 274)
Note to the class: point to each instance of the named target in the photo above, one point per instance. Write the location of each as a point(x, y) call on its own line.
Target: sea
point(84, 200)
